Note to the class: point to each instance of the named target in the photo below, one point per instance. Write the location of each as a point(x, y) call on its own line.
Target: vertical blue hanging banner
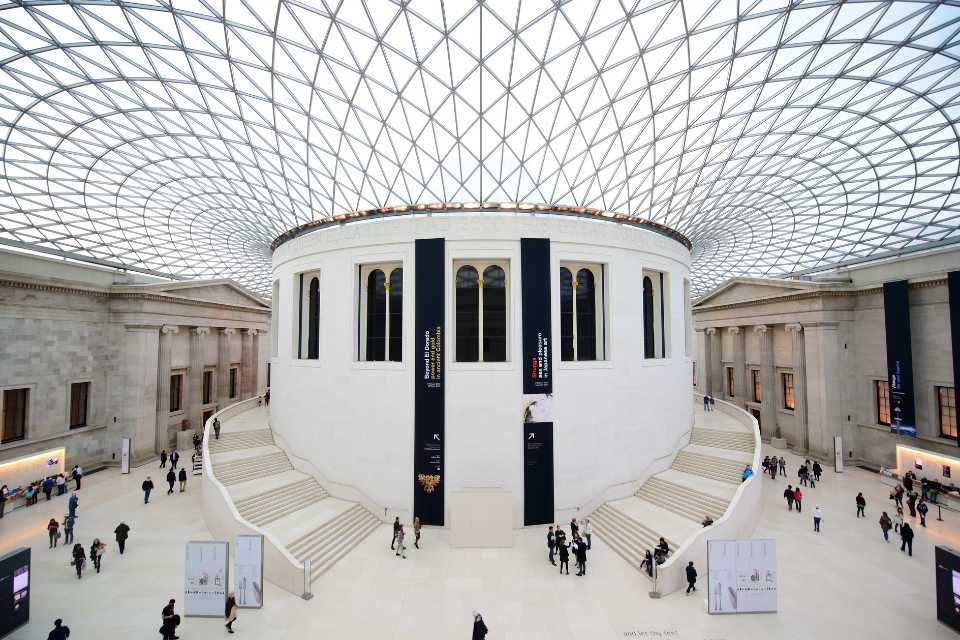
point(896, 313)
point(428, 410)
point(953, 286)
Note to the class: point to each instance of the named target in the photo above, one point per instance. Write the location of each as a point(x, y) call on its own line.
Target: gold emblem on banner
point(428, 482)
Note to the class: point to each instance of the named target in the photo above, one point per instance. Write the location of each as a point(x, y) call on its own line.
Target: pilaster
point(163, 386)
point(716, 364)
point(195, 383)
point(223, 366)
point(739, 366)
point(768, 388)
point(247, 376)
point(799, 385)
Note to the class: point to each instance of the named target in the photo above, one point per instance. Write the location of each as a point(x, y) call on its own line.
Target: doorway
point(756, 414)
point(206, 416)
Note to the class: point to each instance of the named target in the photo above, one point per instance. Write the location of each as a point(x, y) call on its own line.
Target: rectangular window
point(694, 372)
point(786, 381)
point(207, 387)
point(268, 375)
point(233, 382)
point(755, 379)
point(176, 395)
point(947, 411)
point(481, 310)
point(582, 321)
point(881, 393)
point(380, 312)
point(308, 316)
point(731, 385)
point(15, 405)
point(655, 325)
point(79, 398)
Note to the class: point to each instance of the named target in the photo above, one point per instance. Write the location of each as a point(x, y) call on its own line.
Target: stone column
point(255, 363)
point(163, 386)
point(247, 390)
point(800, 386)
point(133, 386)
point(739, 366)
point(826, 375)
point(195, 379)
point(707, 374)
point(223, 366)
point(716, 365)
point(768, 388)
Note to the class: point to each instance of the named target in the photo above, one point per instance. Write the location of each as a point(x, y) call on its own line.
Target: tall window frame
point(233, 382)
point(881, 401)
point(655, 286)
point(380, 312)
point(308, 287)
point(946, 412)
point(15, 414)
point(786, 386)
point(757, 385)
point(176, 392)
point(481, 310)
point(79, 404)
point(583, 317)
point(206, 391)
point(731, 382)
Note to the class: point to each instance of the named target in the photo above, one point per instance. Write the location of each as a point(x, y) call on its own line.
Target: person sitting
point(663, 547)
point(747, 472)
point(707, 521)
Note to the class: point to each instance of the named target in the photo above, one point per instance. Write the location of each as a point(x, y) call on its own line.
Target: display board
point(248, 571)
point(537, 473)
point(947, 563)
point(428, 401)
point(896, 314)
point(742, 576)
point(205, 579)
point(535, 294)
point(953, 286)
point(14, 590)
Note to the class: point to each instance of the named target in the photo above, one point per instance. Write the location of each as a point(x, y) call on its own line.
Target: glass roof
point(181, 138)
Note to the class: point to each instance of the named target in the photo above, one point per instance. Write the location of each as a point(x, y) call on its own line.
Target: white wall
point(354, 420)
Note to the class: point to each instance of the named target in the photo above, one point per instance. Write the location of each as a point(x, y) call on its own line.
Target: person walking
point(802, 474)
point(68, 529)
point(906, 538)
point(479, 627)
point(77, 475)
point(898, 495)
point(216, 428)
point(96, 553)
point(861, 505)
point(72, 505)
point(60, 632)
point(53, 530)
point(817, 517)
point(817, 470)
point(182, 477)
point(401, 547)
point(48, 487)
point(79, 557)
point(564, 550)
point(551, 545)
point(898, 520)
point(797, 499)
point(788, 496)
point(647, 563)
point(171, 479)
point(230, 614)
point(416, 531)
point(912, 503)
point(396, 530)
point(163, 458)
point(922, 509)
point(574, 529)
point(691, 577)
point(783, 466)
point(122, 532)
point(170, 621)
point(61, 483)
point(174, 459)
point(266, 397)
point(588, 532)
point(885, 525)
point(147, 487)
point(706, 402)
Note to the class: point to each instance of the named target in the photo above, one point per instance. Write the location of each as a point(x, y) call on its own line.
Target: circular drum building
point(422, 350)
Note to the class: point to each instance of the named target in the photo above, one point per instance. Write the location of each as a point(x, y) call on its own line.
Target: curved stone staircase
point(275, 498)
point(701, 482)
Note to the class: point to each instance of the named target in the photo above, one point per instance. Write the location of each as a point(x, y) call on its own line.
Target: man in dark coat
point(174, 458)
point(788, 494)
point(396, 531)
point(170, 621)
point(817, 471)
point(171, 479)
point(581, 557)
point(122, 532)
point(147, 487)
point(691, 577)
point(163, 458)
point(60, 632)
point(906, 537)
point(912, 503)
point(479, 628)
point(551, 545)
point(564, 549)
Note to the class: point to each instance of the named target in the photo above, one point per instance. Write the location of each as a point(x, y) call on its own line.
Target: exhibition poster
point(205, 579)
point(14, 590)
point(248, 571)
point(742, 576)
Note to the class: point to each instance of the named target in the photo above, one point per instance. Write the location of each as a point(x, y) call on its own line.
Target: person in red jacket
point(797, 498)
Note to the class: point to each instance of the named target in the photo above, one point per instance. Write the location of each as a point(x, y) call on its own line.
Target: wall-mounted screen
point(14, 590)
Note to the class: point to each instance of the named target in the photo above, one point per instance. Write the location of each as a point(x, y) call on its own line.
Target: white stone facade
point(829, 332)
point(63, 323)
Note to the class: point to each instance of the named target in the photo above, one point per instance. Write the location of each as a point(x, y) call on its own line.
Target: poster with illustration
point(742, 576)
point(248, 571)
point(205, 579)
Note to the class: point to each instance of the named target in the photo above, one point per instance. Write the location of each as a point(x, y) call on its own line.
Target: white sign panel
point(838, 454)
point(742, 576)
point(205, 579)
point(125, 455)
point(248, 567)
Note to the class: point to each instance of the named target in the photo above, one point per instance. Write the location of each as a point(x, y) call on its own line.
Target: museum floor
point(844, 582)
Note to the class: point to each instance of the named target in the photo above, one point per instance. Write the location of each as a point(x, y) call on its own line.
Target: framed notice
point(248, 571)
point(205, 579)
point(742, 576)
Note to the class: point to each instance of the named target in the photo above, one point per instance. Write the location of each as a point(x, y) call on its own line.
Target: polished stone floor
point(843, 582)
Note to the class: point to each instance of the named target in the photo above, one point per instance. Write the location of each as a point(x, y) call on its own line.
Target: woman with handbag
point(53, 529)
point(78, 559)
point(96, 552)
point(230, 615)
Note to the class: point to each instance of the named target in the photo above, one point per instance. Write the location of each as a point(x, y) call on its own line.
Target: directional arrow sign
point(530, 436)
point(436, 436)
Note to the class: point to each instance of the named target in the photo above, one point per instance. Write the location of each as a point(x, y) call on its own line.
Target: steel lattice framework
point(181, 138)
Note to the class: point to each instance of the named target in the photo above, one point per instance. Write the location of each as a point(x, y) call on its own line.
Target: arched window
point(313, 320)
point(586, 316)
point(376, 315)
point(468, 314)
point(581, 312)
point(494, 295)
point(649, 335)
point(395, 315)
point(566, 315)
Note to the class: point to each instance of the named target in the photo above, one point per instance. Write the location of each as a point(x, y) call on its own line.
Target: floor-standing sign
point(953, 286)
point(205, 579)
point(428, 411)
point(838, 454)
point(125, 455)
point(742, 576)
point(537, 370)
point(14, 590)
point(896, 314)
point(248, 571)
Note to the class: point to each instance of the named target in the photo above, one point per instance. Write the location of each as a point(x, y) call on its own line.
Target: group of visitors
point(398, 543)
point(31, 492)
point(771, 465)
point(708, 403)
point(581, 540)
point(656, 557)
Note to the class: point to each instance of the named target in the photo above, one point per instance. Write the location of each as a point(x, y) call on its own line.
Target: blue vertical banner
point(953, 286)
point(896, 313)
point(428, 411)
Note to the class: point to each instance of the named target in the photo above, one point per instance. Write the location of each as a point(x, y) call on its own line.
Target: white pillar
point(768, 389)
point(800, 385)
point(707, 373)
point(163, 386)
point(223, 366)
point(247, 378)
point(716, 364)
point(195, 384)
point(739, 366)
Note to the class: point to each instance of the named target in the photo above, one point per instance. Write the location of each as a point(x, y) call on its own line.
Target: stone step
point(329, 542)
point(733, 440)
point(242, 440)
point(272, 505)
point(688, 503)
point(250, 468)
point(709, 467)
point(626, 536)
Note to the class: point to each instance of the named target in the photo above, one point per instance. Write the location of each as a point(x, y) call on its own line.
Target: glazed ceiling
point(181, 138)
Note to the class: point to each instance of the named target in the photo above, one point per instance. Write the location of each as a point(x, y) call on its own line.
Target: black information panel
point(537, 473)
point(896, 313)
point(14, 590)
point(535, 293)
point(953, 283)
point(948, 586)
point(428, 397)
